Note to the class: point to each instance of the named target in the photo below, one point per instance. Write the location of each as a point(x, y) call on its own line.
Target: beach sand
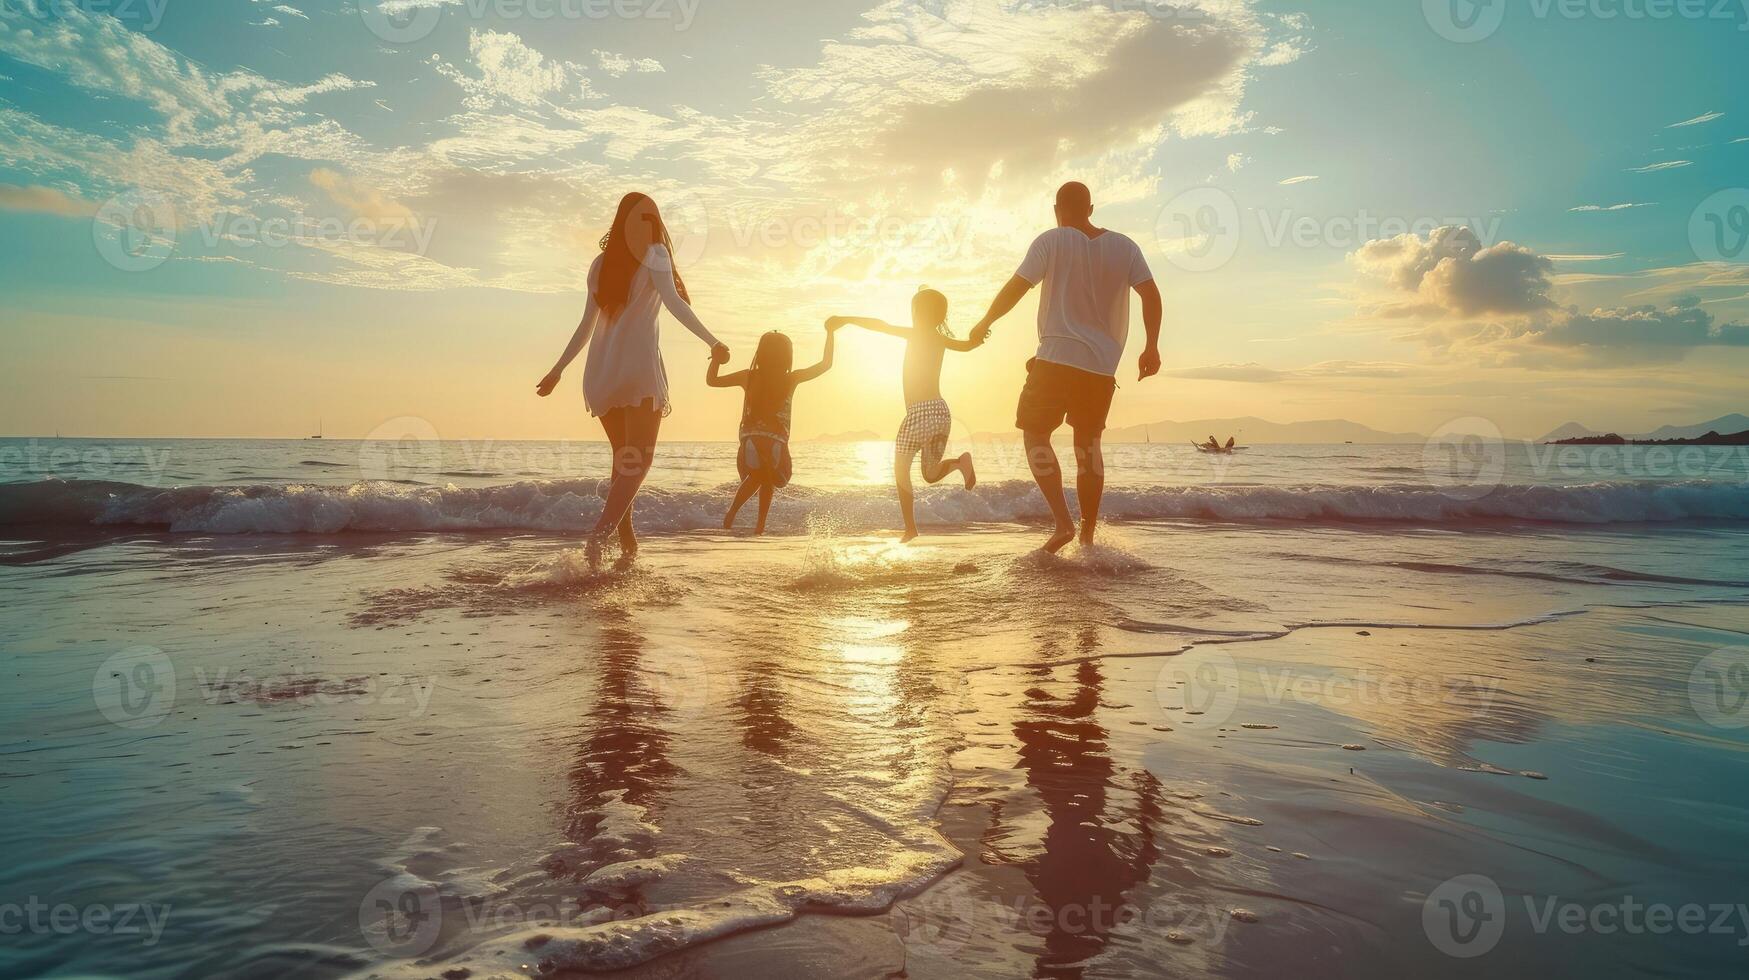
point(1198, 750)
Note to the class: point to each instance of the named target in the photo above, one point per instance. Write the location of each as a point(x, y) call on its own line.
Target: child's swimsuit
point(765, 442)
point(925, 430)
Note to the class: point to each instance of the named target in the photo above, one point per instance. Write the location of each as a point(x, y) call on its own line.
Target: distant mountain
point(1572, 430)
point(1251, 431)
point(1724, 423)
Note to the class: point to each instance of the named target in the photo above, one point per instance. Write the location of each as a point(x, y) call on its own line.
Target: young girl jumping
point(763, 459)
point(927, 418)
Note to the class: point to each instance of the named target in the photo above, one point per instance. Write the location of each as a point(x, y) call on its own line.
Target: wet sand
point(1200, 751)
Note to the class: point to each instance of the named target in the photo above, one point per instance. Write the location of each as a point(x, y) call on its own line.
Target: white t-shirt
point(1084, 309)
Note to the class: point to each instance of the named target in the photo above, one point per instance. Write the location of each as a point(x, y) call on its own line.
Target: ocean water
point(330, 709)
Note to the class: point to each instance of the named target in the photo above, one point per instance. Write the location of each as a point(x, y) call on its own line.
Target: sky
point(254, 218)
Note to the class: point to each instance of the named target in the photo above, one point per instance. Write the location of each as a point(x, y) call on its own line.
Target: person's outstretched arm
point(1149, 365)
point(662, 274)
point(809, 374)
point(585, 327)
point(719, 357)
point(1005, 301)
point(870, 323)
point(975, 341)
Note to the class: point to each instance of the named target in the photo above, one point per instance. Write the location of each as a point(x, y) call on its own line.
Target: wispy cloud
point(44, 200)
point(1613, 207)
point(1297, 180)
point(1697, 120)
point(1585, 258)
point(1655, 167)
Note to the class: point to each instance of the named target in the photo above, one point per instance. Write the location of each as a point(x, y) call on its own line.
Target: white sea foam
point(572, 505)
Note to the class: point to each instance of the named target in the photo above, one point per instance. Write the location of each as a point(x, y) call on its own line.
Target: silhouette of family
point(1086, 273)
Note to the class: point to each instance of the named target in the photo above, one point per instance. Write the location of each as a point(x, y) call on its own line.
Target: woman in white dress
point(624, 382)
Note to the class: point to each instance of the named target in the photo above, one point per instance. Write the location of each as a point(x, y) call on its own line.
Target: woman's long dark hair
point(636, 227)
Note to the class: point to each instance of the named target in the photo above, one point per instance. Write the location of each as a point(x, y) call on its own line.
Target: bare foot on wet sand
point(966, 468)
point(908, 536)
point(1064, 535)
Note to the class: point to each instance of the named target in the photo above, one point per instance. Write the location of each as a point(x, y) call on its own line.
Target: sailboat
point(318, 434)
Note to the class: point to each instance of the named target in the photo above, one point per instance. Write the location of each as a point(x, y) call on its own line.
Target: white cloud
point(617, 65)
point(967, 91)
point(1290, 181)
point(511, 71)
point(1450, 274)
point(1697, 120)
point(1236, 162)
point(1493, 306)
point(1653, 168)
point(1611, 207)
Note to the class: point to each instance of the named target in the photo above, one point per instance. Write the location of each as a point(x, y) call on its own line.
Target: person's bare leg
point(1046, 472)
point(613, 424)
point(631, 465)
point(934, 470)
point(902, 480)
point(765, 491)
point(1089, 482)
point(742, 495)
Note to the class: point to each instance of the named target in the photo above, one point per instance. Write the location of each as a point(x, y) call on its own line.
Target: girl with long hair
point(625, 384)
point(762, 458)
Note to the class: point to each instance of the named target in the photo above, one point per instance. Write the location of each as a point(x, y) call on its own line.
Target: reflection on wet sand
point(623, 754)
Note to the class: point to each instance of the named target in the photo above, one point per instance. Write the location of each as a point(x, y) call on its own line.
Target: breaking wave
point(572, 505)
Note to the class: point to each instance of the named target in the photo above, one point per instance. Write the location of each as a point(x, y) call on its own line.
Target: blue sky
point(234, 217)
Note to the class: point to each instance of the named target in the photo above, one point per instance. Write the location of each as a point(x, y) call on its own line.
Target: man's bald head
point(1074, 204)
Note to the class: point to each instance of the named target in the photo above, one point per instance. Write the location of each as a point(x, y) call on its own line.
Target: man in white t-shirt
point(1083, 322)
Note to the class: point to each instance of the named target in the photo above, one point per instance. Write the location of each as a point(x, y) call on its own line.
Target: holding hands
point(720, 354)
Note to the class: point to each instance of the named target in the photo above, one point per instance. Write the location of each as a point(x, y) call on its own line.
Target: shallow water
point(400, 754)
